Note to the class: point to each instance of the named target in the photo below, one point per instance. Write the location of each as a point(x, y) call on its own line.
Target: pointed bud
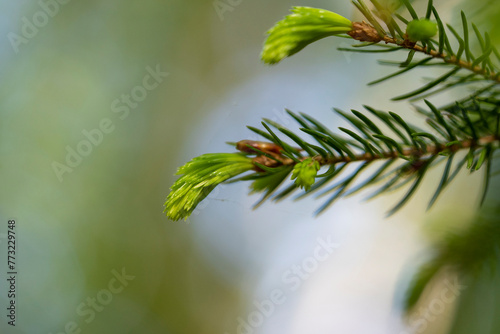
point(421, 30)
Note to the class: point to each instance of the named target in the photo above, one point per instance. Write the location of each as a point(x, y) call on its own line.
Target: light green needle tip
point(304, 26)
point(200, 176)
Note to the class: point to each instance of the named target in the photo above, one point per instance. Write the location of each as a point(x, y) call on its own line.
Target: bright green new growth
point(421, 30)
point(201, 176)
point(305, 26)
point(305, 172)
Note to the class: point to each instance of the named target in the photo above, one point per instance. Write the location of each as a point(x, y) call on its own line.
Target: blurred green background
point(81, 225)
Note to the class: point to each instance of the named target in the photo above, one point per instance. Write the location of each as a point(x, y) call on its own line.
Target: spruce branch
point(272, 162)
point(418, 39)
point(470, 125)
point(307, 25)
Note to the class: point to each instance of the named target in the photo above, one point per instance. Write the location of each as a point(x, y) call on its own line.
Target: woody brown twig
point(431, 150)
point(364, 32)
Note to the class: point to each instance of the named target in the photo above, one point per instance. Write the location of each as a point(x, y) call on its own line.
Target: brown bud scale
point(364, 32)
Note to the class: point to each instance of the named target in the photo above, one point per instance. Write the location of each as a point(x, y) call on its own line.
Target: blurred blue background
point(101, 101)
